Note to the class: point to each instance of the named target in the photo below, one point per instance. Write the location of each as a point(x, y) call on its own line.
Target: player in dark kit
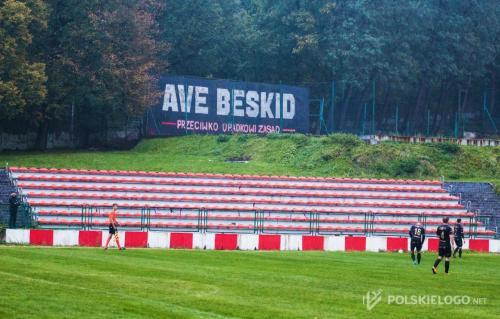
point(417, 237)
point(458, 232)
point(445, 234)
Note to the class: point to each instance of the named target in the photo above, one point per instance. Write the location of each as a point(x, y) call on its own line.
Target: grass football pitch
point(148, 283)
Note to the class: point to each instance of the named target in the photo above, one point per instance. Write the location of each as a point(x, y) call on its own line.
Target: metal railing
point(260, 221)
point(25, 216)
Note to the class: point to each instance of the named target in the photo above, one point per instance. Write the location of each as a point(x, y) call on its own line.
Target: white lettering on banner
point(182, 97)
point(243, 103)
point(170, 99)
point(238, 102)
point(197, 126)
point(252, 107)
point(223, 102)
point(288, 106)
point(277, 103)
point(239, 128)
point(265, 105)
point(200, 100)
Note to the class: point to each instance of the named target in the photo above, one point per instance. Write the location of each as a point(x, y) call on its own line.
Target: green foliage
point(285, 155)
point(223, 138)
point(100, 57)
point(347, 140)
point(406, 166)
point(22, 75)
point(496, 187)
point(448, 148)
point(103, 58)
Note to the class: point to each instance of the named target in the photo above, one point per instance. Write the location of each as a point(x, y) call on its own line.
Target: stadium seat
point(174, 200)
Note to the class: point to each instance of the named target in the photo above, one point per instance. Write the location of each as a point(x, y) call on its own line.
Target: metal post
point(322, 123)
point(149, 218)
point(487, 111)
point(199, 220)
point(456, 126)
point(332, 116)
point(232, 109)
point(373, 108)
point(281, 107)
point(186, 88)
point(428, 121)
point(311, 223)
point(73, 122)
point(364, 121)
point(397, 119)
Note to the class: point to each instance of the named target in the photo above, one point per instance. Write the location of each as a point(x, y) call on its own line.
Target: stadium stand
point(481, 198)
point(80, 199)
point(6, 188)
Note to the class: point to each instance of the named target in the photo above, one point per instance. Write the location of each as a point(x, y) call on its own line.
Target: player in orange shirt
point(113, 231)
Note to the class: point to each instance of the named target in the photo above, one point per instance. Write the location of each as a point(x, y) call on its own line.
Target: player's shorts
point(445, 250)
point(112, 230)
point(459, 242)
point(416, 244)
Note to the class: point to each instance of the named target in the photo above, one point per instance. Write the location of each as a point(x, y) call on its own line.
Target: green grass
point(283, 154)
point(146, 283)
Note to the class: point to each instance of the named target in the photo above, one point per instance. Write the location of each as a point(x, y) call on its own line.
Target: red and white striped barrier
point(138, 239)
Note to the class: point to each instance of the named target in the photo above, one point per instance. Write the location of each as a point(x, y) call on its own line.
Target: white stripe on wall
point(291, 242)
point(335, 243)
point(158, 239)
point(17, 236)
point(204, 241)
point(376, 244)
point(248, 241)
point(65, 237)
point(494, 246)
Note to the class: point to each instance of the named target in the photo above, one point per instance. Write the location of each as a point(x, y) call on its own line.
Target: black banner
point(223, 106)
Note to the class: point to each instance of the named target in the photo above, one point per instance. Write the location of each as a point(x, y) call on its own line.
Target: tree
point(102, 59)
point(22, 76)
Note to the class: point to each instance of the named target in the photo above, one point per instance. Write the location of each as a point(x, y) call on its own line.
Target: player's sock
point(434, 268)
point(419, 256)
point(455, 252)
point(413, 256)
point(107, 243)
point(446, 266)
point(460, 253)
point(436, 263)
point(118, 243)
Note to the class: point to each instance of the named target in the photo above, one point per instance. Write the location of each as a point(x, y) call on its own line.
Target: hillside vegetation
point(339, 155)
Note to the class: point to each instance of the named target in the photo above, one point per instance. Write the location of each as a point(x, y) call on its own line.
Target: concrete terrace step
point(145, 188)
point(223, 176)
point(208, 198)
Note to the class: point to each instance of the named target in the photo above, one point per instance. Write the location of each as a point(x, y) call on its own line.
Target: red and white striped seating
point(238, 203)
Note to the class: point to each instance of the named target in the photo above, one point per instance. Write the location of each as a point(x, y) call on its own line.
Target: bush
point(496, 188)
point(448, 147)
point(279, 136)
point(223, 138)
point(242, 138)
point(406, 166)
point(347, 140)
